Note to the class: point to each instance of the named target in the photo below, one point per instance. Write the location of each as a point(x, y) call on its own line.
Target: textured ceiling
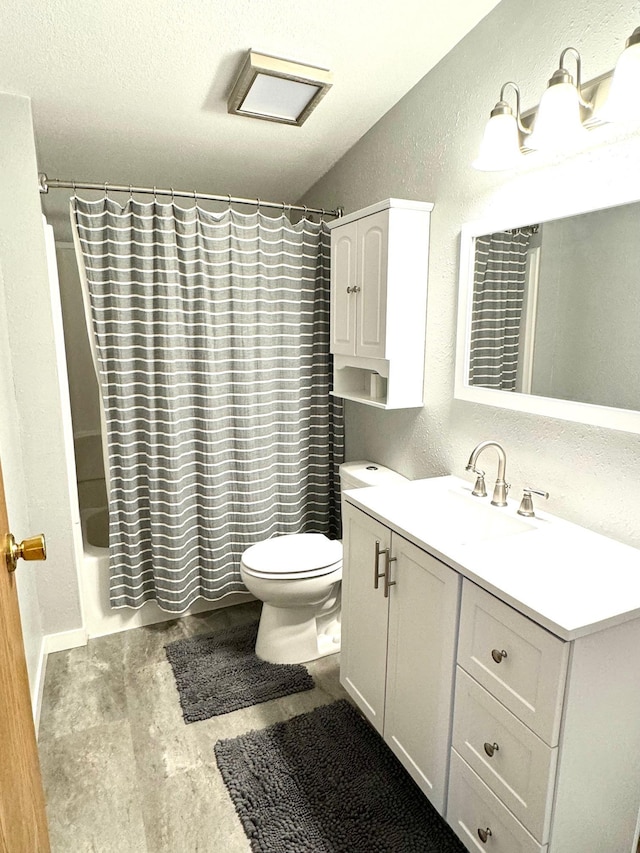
point(136, 92)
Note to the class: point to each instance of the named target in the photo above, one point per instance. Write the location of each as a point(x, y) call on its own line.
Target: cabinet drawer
point(521, 770)
point(529, 679)
point(472, 807)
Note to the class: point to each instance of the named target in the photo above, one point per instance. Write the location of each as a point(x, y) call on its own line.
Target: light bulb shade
point(558, 124)
point(623, 103)
point(500, 146)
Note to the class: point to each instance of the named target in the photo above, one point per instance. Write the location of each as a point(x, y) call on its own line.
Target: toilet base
point(297, 634)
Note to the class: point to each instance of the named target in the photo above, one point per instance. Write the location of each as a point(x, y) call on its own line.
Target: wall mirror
point(549, 316)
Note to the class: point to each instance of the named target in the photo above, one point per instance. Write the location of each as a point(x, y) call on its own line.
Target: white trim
point(64, 640)
point(405, 204)
point(38, 688)
point(568, 410)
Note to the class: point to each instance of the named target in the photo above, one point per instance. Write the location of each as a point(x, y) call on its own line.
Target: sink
point(477, 522)
point(454, 515)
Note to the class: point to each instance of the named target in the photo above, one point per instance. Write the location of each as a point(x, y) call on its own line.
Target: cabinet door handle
point(498, 655)
point(376, 574)
point(354, 289)
point(387, 573)
point(490, 748)
point(484, 834)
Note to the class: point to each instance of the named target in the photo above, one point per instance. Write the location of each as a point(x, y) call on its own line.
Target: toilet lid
point(294, 554)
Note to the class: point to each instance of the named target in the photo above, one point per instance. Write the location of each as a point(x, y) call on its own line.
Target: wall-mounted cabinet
point(379, 268)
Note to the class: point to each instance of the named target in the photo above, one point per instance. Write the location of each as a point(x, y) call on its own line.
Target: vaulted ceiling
point(135, 92)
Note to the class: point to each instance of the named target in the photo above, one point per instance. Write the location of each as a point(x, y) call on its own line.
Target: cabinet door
point(423, 620)
point(364, 614)
point(373, 236)
point(343, 296)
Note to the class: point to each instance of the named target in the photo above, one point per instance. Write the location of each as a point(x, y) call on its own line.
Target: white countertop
point(570, 580)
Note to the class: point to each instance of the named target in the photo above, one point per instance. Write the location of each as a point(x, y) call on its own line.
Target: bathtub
point(99, 617)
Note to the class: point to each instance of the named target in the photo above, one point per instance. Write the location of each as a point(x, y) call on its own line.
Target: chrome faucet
point(501, 488)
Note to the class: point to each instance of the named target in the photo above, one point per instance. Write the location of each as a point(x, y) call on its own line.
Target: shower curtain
point(498, 294)
point(212, 345)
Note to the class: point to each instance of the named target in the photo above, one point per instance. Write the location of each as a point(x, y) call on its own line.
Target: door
point(365, 611)
point(423, 623)
point(343, 289)
point(23, 825)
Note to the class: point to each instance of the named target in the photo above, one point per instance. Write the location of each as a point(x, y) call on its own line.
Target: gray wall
point(33, 444)
point(422, 149)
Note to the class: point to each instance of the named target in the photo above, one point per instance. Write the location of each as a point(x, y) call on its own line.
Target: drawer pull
point(484, 834)
point(490, 748)
point(498, 655)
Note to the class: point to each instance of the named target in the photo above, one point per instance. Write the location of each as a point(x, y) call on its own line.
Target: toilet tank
point(357, 475)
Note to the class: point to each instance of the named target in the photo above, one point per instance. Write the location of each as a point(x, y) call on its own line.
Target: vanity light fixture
point(558, 122)
point(500, 146)
point(622, 103)
point(567, 110)
point(276, 89)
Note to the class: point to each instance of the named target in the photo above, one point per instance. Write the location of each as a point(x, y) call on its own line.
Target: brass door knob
point(33, 548)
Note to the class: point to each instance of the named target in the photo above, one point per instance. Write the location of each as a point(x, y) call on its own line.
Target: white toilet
point(297, 577)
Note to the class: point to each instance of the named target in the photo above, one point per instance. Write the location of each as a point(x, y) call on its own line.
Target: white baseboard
point(64, 640)
point(38, 688)
point(52, 643)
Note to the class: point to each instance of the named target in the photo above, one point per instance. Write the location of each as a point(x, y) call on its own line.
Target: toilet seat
point(293, 556)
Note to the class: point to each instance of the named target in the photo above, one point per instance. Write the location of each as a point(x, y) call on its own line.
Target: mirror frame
point(627, 420)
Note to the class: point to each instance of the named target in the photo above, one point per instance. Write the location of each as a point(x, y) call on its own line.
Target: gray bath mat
point(219, 673)
point(325, 782)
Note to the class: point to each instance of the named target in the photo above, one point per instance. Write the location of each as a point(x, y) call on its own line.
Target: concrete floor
point(122, 771)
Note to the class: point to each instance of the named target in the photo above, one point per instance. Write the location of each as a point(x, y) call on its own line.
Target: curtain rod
point(46, 184)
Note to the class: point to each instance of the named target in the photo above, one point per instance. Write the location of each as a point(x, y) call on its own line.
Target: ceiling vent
point(276, 89)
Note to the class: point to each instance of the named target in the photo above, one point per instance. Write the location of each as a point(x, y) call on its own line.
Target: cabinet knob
point(484, 834)
point(490, 748)
point(498, 655)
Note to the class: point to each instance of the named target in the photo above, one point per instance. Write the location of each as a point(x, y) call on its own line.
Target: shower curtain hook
point(155, 194)
point(130, 193)
point(73, 184)
point(229, 196)
point(258, 211)
point(173, 196)
point(106, 191)
point(305, 211)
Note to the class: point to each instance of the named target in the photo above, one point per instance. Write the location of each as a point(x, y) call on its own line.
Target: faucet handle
point(480, 489)
point(526, 504)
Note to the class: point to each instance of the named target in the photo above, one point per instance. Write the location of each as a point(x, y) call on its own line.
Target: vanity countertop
point(567, 578)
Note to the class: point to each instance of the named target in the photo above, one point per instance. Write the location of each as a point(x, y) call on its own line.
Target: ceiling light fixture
point(276, 89)
point(566, 111)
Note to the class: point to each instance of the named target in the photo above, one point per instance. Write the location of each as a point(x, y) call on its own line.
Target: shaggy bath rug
point(219, 673)
point(325, 782)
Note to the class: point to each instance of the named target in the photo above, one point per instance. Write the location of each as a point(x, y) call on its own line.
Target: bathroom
point(421, 149)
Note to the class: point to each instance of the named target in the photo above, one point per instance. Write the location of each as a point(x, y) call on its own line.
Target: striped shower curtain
point(212, 347)
point(498, 295)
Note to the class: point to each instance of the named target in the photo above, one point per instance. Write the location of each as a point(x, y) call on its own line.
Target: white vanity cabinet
point(546, 739)
point(399, 649)
point(379, 266)
point(537, 635)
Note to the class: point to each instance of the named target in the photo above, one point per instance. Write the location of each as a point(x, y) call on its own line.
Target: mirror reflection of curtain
point(498, 293)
